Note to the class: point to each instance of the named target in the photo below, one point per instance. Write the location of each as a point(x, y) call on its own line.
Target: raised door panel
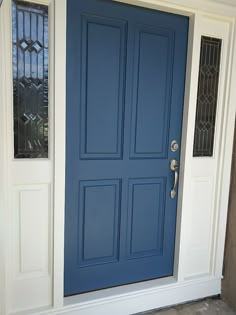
point(145, 217)
point(151, 92)
point(103, 70)
point(98, 222)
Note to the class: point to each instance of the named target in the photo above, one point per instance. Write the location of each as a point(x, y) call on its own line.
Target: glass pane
point(30, 79)
point(207, 96)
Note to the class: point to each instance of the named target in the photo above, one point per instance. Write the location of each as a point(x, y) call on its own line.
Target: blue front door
point(125, 90)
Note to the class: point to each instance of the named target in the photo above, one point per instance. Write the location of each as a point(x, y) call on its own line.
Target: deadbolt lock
point(174, 146)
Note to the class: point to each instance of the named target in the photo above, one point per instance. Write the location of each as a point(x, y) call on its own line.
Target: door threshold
point(135, 298)
point(118, 292)
point(140, 297)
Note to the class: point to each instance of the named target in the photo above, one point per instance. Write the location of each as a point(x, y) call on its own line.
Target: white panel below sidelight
point(31, 244)
point(200, 226)
point(34, 217)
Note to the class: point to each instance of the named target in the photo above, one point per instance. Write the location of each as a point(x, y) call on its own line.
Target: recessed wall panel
point(103, 70)
point(151, 92)
point(99, 221)
point(33, 229)
point(200, 226)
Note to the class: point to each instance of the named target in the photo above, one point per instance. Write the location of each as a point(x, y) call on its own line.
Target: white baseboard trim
point(152, 297)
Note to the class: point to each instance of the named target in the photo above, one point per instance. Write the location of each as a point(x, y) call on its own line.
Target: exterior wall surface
point(229, 282)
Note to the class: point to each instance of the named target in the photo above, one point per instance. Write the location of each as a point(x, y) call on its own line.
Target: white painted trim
point(60, 150)
point(148, 299)
point(3, 172)
point(44, 2)
point(138, 297)
point(197, 168)
point(187, 7)
point(226, 154)
point(5, 100)
point(227, 2)
point(187, 140)
point(11, 178)
point(155, 294)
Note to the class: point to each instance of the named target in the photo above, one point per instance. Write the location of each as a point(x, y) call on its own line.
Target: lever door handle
point(174, 166)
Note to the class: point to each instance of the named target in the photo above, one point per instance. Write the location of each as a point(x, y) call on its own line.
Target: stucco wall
point(229, 282)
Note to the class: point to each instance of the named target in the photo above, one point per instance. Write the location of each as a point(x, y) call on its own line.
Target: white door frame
point(192, 279)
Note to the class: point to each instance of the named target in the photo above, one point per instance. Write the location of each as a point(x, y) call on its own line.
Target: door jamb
point(60, 11)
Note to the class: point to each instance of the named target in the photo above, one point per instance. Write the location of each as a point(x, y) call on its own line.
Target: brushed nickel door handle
point(174, 166)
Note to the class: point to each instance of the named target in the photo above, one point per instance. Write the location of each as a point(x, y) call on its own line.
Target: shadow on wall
point(229, 282)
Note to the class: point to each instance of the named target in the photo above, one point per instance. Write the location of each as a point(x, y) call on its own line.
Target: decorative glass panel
point(30, 79)
point(207, 96)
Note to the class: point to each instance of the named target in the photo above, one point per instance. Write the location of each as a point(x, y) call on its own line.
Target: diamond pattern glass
point(30, 79)
point(209, 70)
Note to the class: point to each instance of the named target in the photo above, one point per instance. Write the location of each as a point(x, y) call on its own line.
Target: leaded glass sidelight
point(30, 79)
point(207, 96)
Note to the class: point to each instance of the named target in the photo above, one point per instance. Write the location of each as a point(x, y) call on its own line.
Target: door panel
point(153, 57)
point(104, 48)
point(145, 217)
point(98, 222)
point(125, 88)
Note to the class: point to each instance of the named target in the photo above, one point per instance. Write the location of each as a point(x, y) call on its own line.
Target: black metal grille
point(207, 96)
point(30, 79)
